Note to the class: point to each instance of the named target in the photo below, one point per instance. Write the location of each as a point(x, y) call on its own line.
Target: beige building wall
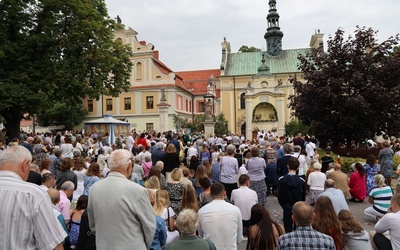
point(271, 90)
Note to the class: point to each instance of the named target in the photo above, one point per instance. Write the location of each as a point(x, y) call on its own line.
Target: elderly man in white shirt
point(192, 151)
point(26, 219)
point(220, 221)
point(244, 198)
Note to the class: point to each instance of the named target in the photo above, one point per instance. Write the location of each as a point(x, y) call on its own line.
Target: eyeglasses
point(131, 159)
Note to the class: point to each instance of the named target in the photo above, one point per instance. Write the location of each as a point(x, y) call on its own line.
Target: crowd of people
point(175, 191)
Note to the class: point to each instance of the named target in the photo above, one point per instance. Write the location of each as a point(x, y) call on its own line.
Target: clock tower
point(274, 34)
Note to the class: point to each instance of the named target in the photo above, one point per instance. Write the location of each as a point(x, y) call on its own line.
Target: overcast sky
point(188, 33)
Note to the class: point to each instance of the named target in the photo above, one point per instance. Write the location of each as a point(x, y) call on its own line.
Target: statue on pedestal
point(208, 110)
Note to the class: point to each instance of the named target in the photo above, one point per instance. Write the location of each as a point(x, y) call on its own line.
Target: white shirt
point(221, 222)
point(310, 149)
point(192, 151)
point(391, 222)
point(142, 155)
point(243, 170)
point(303, 165)
point(242, 146)
point(316, 180)
point(26, 215)
point(218, 141)
point(129, 143)
point(67, 150)
point(244, 198)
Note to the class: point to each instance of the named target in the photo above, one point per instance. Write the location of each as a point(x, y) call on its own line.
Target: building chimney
point(156, 54)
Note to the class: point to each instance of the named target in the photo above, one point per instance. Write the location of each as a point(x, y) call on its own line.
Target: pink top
point(357, 185)
point(64, 205)
point(146, 167)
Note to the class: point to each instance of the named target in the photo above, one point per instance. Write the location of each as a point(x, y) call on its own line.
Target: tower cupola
point(274, 35)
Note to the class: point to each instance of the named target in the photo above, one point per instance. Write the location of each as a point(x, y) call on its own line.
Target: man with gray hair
point(26, 210)
point(131, 221)
point(157, 154)
point(331, 168)
point(64, 206)
point(187, 224)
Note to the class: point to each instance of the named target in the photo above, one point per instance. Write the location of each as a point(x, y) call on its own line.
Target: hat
point(317, 165)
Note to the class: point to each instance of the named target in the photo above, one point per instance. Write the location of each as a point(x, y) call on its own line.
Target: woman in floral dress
point(175, 190)
point(371, 169)
point(385, 157)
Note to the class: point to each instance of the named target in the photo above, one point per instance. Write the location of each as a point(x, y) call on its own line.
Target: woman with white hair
point(187, 223)
point(316, 181)
point(380, 198)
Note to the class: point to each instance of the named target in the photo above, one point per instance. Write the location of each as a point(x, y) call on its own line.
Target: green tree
point(351, 91)
point(295, 127)
point(179, 122)
point(54, 52)
point(245, 48)
point(73, 114)
point(221, 125)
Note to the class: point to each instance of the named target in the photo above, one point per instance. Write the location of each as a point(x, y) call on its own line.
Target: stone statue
point(208, 110)
point(163, 98)
point(119, 21)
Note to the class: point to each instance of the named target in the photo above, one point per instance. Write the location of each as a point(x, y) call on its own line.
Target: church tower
point(274, 34)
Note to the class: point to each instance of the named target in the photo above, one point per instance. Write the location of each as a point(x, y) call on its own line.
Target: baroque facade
point(256, 85)
point(156, 93)
point(250, 88)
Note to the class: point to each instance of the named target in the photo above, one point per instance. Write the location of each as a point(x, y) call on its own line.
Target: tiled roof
point(197, 81)
point(162, 67)
point(247, 63)
point(166, 70)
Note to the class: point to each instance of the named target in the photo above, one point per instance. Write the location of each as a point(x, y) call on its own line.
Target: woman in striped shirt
point(380, 198)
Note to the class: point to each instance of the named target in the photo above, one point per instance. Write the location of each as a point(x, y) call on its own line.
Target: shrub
point(356, 152)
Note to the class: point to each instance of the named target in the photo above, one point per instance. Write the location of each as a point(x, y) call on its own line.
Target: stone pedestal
point(249, 116)
point(163, 110)
point(208, 128)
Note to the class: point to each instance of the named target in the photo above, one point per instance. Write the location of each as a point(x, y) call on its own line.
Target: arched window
point(139, 71)
point(242, 101)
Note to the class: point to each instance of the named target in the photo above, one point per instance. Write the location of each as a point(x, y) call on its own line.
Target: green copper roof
point(247, 63)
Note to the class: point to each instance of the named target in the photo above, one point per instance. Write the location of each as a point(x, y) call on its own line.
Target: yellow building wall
point(85, 105)
point(226, 106)
point(114, 107)
point(157, 75)
point(122, 102)
point(154, 94)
